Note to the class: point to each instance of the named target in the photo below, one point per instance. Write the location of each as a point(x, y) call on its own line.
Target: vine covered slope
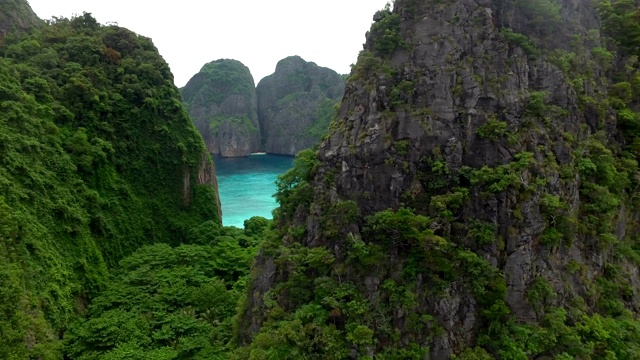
point(97, 158)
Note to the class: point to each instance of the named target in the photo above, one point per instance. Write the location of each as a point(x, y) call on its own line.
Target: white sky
point(190, 33)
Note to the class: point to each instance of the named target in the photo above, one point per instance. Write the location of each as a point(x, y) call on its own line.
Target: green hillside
point(97, 158)
point(476, 198)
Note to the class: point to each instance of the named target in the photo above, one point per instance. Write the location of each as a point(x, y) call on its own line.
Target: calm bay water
point(246, 186)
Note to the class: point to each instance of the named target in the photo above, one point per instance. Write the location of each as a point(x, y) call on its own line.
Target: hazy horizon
point(258, 34)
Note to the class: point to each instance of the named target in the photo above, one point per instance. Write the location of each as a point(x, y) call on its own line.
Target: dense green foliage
point(322, 117)
point(542, 15)
point(97, 158)
point(521, 41)
point(218, 80)
point(621, 21)
point(170, 303)
point(386, 32)
point(293, 187)
point(95, 149)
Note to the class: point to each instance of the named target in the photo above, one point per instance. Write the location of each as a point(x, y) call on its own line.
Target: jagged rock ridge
point(471, 198)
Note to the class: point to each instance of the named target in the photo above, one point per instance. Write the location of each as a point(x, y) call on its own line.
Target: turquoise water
point(246, 186)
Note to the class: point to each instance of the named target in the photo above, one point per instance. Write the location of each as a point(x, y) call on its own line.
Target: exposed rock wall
point(483, 118)
point(288, 111)
point(17, 15)
point(221, 99)
point(206, 176)
point(295, 105)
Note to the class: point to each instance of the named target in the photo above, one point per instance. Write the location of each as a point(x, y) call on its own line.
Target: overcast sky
point(190, 33)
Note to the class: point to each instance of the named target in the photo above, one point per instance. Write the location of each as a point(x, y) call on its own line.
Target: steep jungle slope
point(98, 157)
point(168, 302)
point(296, 104)
point(221, 99)
point(477, 195)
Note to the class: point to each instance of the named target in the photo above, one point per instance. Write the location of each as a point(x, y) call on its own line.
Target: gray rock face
point(451, 99)
point(221, 100)
point(463, 73)
point(17, 15)
point(295, 105)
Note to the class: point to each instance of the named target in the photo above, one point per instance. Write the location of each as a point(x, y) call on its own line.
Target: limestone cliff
point(221, 99)
point(296, 104)
point(476, 196)
point(17, 15)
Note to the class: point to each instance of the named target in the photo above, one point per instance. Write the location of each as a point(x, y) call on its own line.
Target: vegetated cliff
point(296, 104)
point(477, 194)
point(17, 15)
point(97, 158)
point(221, 99)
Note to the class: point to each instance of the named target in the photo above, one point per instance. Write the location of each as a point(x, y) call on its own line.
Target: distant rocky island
point(289, 110)
point(221, 100)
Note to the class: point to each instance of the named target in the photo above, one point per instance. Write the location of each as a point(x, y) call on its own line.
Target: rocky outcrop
point(471, 194)
point(221, 99)
point(206, 176)
point(17, 15)
point(296, 104)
